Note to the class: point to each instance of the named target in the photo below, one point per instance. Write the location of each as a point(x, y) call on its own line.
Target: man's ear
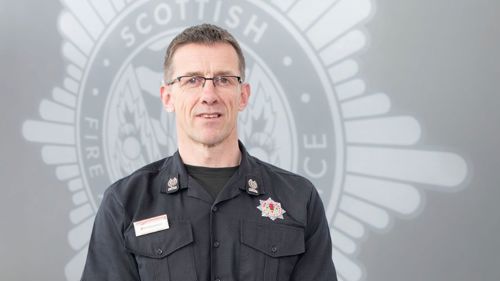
point(166, 97)
point(244, 96)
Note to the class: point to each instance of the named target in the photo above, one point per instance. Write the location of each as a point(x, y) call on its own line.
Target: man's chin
point(212, 137)
point(211, 141)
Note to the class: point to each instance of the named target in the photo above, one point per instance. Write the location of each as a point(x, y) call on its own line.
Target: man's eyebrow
point(217, 73)
point(224, 73)
point(195, 73)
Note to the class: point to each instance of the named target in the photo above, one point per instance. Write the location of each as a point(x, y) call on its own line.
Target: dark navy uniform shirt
point(266, 224)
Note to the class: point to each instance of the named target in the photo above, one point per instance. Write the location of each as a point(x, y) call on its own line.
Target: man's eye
point(222, 80)
point(193, 80)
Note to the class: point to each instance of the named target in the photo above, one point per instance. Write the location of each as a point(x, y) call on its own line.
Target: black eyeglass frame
point(178, 79)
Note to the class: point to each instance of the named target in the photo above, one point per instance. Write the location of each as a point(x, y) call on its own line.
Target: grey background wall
point(436, 63)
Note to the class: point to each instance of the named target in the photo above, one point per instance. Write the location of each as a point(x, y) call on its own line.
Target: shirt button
point(214, 209)
point(216, 244)
point(159, 251)
point(274, 249)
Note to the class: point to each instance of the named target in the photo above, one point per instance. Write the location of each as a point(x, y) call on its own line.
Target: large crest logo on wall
point(309, 113)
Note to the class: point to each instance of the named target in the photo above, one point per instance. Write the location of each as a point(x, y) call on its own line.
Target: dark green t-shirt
point(212, 179)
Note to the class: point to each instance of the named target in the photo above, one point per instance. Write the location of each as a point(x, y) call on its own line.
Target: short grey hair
point(207, 34)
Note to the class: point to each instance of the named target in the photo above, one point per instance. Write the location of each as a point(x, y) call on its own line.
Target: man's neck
point(221, 155)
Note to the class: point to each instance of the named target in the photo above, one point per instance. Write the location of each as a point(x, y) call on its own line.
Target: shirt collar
point(249, 176)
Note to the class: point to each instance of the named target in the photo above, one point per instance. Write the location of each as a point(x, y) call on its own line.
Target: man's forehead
point(193, 57)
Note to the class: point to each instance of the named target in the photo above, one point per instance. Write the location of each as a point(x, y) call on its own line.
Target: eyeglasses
point(197, 82)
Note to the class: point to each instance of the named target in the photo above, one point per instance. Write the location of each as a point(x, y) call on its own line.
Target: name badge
point(151, 225)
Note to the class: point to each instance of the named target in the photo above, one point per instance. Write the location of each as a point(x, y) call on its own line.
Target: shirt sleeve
point(316, 262)
point(107, 258)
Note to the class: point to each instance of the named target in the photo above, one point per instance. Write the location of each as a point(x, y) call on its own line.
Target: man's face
point(206, 115)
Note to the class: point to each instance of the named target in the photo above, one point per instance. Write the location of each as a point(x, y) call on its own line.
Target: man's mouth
point(209, 115)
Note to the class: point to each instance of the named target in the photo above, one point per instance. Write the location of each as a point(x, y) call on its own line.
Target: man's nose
point(208, 92)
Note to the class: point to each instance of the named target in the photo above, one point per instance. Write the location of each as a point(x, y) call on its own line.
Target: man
point(211, 211)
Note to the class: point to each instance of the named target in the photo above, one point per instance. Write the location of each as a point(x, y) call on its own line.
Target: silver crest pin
point(252, 186)
point(172, 184)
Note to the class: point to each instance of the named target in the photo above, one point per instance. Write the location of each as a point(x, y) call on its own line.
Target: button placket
point(215, 243)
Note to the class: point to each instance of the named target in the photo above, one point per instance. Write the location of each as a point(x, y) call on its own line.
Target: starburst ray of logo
point(310, 111)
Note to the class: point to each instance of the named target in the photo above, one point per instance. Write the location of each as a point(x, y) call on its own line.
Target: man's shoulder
point(272, 169)
point(145, 171)
point(282, 177)
point(138, 181)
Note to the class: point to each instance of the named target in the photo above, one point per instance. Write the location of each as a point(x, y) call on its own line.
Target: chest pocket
point(165, 255)
point(269, 251)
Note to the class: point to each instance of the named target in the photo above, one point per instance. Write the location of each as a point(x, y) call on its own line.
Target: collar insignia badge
point(252, 186)
point(271, 209)
point(172, 184)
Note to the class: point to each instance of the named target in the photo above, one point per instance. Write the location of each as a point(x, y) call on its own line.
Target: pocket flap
point(162, 243)
point(275, 240)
